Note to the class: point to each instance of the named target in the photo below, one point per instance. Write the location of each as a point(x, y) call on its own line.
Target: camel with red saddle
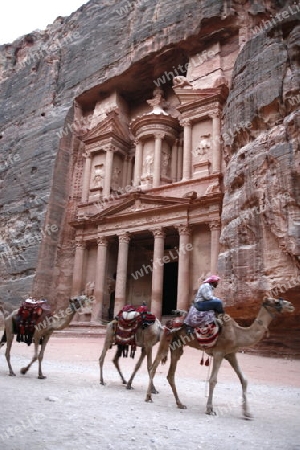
point(34, 322)
point(231, 339)
point(135, 327)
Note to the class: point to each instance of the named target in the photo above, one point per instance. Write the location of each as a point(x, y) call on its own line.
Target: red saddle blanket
point(28, 316)
point(203, 325)
point(130, 318)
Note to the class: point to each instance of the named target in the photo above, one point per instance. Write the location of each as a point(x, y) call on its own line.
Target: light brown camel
point(145, 338)
point(43, 330)
point(232, 338)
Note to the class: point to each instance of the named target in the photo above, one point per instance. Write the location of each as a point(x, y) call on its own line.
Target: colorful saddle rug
point(129, 319)
point(28, 317)
point(205, 326)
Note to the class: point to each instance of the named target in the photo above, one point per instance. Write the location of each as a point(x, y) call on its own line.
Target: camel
point(232, 338)
point(43, 330)
point(145, 338)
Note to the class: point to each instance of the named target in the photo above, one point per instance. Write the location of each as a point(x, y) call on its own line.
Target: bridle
point(278, 306)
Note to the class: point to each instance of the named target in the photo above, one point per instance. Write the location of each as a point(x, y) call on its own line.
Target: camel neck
point(248, 336)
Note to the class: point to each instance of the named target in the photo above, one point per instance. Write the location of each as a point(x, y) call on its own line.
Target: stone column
point(157, 159)
point(138, 162)
point(215, 230)
point(183, 286)
point(99, 289)
point(86, 179)
point(216, 156)
point(78, 266)
point(158, 272)
point(174, 161)
point(179, 160)
point(187, 149)
point(121, 277)
point(126, 171)
point(108, 171)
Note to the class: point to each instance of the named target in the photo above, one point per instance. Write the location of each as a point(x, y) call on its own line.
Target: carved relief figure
point(165, 162)
point(148, 164)
point(181, 81)
point(203, 147)
point(115, 182)
point(98, 176)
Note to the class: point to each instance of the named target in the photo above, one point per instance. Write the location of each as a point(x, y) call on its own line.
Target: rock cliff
point(44, 73)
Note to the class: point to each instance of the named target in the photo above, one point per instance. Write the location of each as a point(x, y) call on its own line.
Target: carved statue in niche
point(165, 163)
point(98, 176)
point(115, 181)
point(148, 164)
point(203, 147)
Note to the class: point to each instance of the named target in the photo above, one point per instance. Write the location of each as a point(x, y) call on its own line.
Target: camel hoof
point(248, 416)
point(41, 377)
point(11, 374)
point(210, 412)
point(102, 382)
point(23, 370)
point(148, 399)
point(129, 387)
point(181, 406)
point(154, 391)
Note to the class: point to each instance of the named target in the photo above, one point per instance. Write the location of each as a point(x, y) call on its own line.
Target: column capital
point(102, 240)
point(80, 243)
point(158, 232)
point(109, 148)
point(159, 135)
point(124, 238)
point(215, 224)
point(215, 114)
point(184, 230)
point(185, 122)
point(87, 155)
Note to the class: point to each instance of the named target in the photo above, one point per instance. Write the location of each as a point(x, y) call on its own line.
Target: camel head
point(79, 301)
point(279, 305)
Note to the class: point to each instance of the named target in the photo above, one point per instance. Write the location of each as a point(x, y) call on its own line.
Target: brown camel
point(145, 338)
point(43, 330)
point(232, 338)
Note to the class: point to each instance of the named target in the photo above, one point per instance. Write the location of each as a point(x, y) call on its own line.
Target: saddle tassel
point(202, 359)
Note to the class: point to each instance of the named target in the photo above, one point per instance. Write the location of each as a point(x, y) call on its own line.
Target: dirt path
point(71, 410)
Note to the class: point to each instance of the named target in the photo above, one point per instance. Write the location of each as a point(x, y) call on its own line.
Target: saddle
point(129, 319)
point(28, 316)
point(202, 324)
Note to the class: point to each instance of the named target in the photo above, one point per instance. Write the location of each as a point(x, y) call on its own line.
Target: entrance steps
point(82, 329)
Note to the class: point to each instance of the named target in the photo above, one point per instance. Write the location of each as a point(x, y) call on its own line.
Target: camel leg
point(149, 366)
point(34, 358)
point(41, 356)
point(232, 359)
point(117, 366)
point(10, 338)
point(101, 362)
point(136, 368)
point(175, 356)
point(217, 360)
point(161, 356)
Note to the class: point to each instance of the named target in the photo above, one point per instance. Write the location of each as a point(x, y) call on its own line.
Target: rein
point(278, 308)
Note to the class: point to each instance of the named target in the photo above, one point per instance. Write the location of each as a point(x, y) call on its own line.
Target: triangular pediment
point(111, 126)
point(139, 203)
point(190, 96)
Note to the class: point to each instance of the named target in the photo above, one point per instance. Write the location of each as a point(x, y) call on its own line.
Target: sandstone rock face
point(102, 47)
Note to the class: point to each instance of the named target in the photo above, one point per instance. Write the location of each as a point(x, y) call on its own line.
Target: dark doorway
point(170, 288)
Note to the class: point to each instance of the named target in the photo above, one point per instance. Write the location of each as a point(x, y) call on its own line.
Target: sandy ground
point(71, 410)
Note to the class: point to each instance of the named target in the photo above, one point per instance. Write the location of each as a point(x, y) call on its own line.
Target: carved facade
point(149, 216)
